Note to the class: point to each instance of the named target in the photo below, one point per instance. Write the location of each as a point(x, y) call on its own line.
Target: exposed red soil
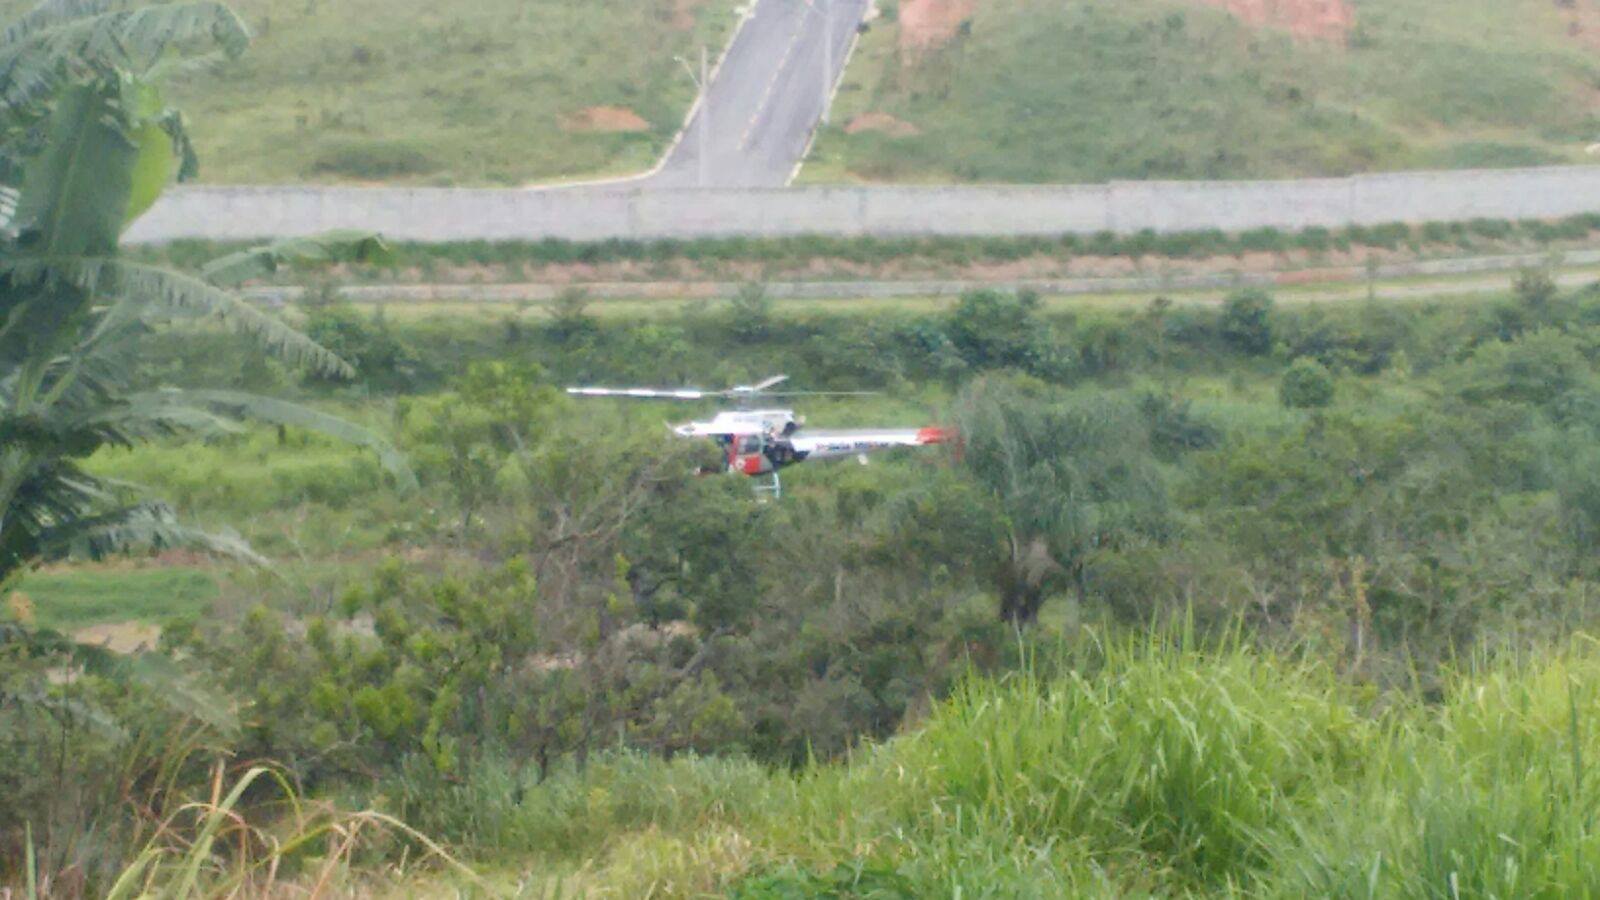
point(1320, 20)
point(674, 274)
point(605, 119)
point(1582, 21)
point(19, 607)
point(927, 24)
point(120, 637)
point(683, 13)
point(882, 123)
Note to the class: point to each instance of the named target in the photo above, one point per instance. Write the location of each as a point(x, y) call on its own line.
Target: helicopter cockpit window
point(750, 444)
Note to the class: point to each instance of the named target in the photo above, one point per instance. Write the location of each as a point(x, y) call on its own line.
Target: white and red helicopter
point(761, 442)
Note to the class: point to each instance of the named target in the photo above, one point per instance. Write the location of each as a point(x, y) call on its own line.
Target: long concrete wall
point(598, 212)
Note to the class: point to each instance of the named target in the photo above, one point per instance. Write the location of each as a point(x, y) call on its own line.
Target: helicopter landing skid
point(773, 488)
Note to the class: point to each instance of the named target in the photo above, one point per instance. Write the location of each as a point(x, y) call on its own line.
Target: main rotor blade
point(644, 393)
point(770, 382)
point(823, 394)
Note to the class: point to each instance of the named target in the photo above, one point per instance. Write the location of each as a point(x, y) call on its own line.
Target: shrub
point(1534, 288)
point(1543, 368)
point(381, 358)
point(1174, 428)
point(1246, 324)
point(990, 329)
point(749, 313)
point(1306, 384)
point(569, 315)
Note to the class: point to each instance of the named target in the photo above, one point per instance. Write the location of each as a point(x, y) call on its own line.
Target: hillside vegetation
point(1022, 91)
point(575, 664)
point(500, 92)
point(1148, 770)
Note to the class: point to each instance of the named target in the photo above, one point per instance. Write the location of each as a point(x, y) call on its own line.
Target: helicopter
point(760, 442)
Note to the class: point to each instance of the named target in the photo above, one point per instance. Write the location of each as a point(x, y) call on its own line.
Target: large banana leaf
point(64, 38)
point(74, 195)
point(164, 152)
point(282, 412)
point(140, 291)
point(334, 246)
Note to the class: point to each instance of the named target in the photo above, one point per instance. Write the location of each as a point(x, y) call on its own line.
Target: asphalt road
point(766, 99)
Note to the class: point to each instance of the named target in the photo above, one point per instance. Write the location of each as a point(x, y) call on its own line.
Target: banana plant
point(61, 41)
point(72, 313)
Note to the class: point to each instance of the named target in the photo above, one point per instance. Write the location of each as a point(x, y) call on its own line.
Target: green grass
point(68, 600)
point(413, 91)
point(1101, 89)
point(1143, 768)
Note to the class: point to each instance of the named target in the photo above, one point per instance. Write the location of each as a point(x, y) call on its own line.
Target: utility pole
point(703, 113)
point(705, 119)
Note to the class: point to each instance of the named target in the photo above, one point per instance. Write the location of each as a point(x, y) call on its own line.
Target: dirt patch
point(1319, 20)
point(166, 559)
point(605, 120)
point(1582, 19)
point(683, 13)
point(882, 123)
point(20, 608)
point(928, 24)
point(120, 637)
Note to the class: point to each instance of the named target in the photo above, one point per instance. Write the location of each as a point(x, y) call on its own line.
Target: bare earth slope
point(1051, 90)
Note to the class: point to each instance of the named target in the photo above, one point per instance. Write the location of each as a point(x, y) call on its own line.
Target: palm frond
point(282, 412)
point(138, 526)
point(143, 291)
point(146, 416)
point(332, 247)
point(59, 39)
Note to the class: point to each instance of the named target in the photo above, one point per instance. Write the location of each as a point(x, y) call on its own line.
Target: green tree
point(750, 313)
point(380, 357)
point(1534, 289)
point(992, 330)
point(1306, 384)
point(1246, 323)
point(570, 318)
point(470, 440)
point(1070, 476)
point(1545, 368)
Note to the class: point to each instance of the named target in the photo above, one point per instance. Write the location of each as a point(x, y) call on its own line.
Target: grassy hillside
point(419, 92)
point(1147, 771)
point(1096, 89)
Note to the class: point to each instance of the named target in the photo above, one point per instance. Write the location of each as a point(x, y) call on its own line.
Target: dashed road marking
point(772, 83)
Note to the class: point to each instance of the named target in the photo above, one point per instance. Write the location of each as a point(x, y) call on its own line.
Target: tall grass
point(1179, 765)
point(1146, 766)
point(1492, 794)
point(220, 846)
